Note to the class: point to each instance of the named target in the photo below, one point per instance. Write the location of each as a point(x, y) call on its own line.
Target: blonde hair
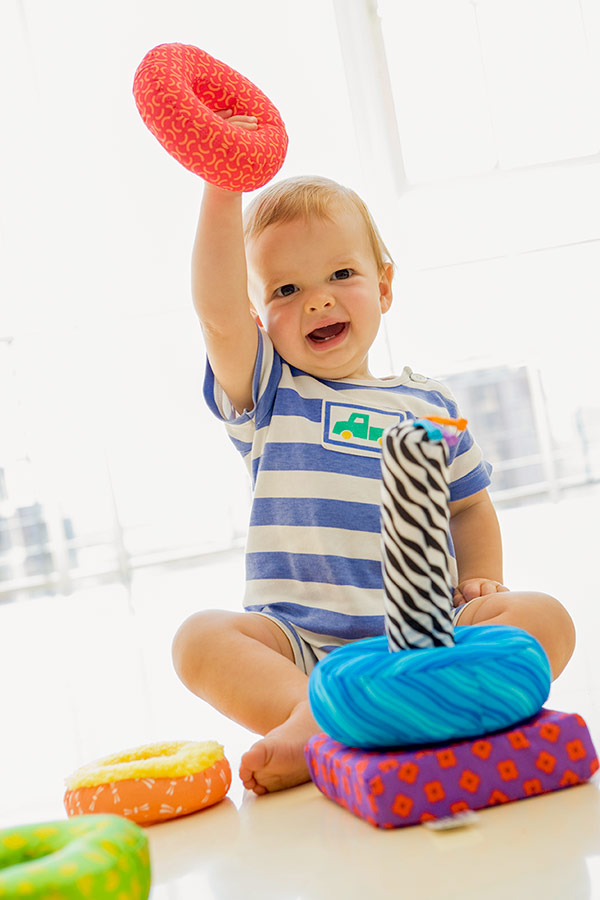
point(306, 196)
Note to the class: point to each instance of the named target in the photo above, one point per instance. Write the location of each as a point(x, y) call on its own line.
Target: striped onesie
point(312, 448)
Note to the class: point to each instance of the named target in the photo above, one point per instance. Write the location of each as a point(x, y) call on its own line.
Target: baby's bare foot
point(277, 761)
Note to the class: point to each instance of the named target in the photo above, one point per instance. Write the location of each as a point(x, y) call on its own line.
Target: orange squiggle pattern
point(178, 88)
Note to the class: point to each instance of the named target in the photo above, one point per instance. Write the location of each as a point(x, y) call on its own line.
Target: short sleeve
point(265, 379)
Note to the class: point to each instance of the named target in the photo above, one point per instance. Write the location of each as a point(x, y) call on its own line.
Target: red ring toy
point(178, 88)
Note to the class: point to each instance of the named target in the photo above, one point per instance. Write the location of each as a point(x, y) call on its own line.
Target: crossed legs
point(242, 664)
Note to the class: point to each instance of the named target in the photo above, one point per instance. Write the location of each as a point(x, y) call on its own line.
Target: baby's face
point(315, 286)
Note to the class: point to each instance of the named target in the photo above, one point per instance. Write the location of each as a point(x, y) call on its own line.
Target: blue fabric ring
point(494, 676)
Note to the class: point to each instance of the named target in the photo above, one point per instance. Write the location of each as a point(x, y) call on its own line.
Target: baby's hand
point(476, 587)
point(250, 123)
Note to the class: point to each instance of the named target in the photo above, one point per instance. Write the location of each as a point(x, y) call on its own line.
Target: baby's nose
point(319, 300)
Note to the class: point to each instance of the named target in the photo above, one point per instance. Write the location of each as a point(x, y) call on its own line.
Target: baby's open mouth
point(327, 332)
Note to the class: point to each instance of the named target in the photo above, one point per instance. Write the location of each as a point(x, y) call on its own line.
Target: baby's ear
point(256, 316)
point(385, 286)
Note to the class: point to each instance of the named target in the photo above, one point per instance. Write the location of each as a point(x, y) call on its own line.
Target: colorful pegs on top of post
point(429, 423)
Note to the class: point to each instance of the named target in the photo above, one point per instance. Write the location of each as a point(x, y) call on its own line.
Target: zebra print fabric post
point(415, 538)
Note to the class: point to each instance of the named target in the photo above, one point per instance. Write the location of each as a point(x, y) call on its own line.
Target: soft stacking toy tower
point(470, 700)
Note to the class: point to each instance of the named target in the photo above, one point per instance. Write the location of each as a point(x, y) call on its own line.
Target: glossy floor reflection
point(299, 845)
point(90, 674)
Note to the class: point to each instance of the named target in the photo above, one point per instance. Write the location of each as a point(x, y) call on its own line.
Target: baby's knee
point(542, 610)
point(548, 621)
point(542, 615)
point(191, 647)
point(562, 625)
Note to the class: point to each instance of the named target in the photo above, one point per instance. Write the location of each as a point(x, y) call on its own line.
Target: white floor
point(90, 674)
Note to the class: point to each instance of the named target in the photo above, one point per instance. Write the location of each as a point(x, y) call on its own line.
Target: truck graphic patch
point(358, 426)
point(349, 427)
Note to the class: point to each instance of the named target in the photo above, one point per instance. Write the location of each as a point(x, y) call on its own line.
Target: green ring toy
point(103, 857)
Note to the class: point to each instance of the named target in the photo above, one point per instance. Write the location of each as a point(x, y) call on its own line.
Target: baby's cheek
point(281, 327)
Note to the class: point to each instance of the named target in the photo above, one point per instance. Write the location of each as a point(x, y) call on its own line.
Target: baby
point(290, 301)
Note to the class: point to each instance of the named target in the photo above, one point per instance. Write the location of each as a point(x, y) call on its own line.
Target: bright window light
point(489, 83)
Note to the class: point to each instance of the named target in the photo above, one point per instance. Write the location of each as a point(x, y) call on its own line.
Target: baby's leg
point(539, 614)
point(242, 664)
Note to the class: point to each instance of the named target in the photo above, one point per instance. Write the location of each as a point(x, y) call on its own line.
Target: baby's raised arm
point(220, 292)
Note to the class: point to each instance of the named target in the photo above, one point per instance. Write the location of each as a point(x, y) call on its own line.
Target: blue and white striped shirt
point(313, 556)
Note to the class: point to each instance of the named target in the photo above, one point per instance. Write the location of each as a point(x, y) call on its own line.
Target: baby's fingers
point(457, 598)
point(492, 587)
point(250, 123)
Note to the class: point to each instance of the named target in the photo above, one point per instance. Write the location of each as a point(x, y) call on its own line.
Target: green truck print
point(358, 426)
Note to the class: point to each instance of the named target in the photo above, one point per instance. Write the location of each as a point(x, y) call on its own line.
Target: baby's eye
point(340, 274)
point(286, 290)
